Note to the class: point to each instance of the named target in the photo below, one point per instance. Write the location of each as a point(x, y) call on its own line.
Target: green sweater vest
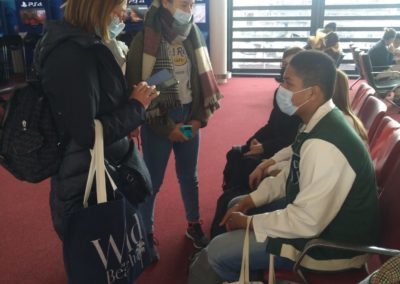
point(358, 218)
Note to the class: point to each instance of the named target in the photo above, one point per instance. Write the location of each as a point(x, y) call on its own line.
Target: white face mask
point(182, 17)
point(284, 100)
point(115, 27)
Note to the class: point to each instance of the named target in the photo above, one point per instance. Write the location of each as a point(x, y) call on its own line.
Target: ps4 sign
point(31, 15)
point(133, 2)
point(32, 4)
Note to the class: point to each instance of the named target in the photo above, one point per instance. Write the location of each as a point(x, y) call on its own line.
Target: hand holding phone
point(187, 130)
point(144, 93)
point(162, 79)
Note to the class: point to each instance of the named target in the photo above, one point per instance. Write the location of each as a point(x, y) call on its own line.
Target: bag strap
point(244, 271)
point(271, 272)
point(97, 167)
point(89, 181)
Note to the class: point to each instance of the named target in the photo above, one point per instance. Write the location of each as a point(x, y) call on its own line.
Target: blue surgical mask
point(284, 100)
point(182, 17)
point(115, 27)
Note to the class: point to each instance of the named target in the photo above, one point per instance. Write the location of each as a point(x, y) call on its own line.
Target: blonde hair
point(91, 15)
point(342, 101)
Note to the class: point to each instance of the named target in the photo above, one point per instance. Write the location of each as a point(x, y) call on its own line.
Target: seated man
point(329, 188)
point(395, 49)
point(381, 57)
point(393, 71)
point(341, 99)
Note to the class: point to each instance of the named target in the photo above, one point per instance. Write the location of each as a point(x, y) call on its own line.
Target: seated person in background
point(279, 132)
point(286, 57)
point(395, 49)
point(379, 53)
point(393, 71)
point(329, 188)
point(332, 48)
point(317, 41)
point(341, 98)
point(329, 27)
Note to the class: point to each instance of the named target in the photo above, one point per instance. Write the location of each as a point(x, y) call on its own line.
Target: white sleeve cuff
point(259, 232)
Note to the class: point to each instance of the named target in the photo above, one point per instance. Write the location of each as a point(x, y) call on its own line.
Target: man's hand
point(176, 134)
point(259, 173)
point(256, 177)
point(236, 221)
point(256, 148)
point(241, 207)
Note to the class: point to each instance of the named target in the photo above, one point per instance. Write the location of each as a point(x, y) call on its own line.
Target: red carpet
point(30, 251)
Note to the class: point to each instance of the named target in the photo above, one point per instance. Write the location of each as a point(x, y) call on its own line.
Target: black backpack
point(30, 147)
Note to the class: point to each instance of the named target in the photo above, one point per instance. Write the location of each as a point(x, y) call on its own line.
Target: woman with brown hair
point(83, 82)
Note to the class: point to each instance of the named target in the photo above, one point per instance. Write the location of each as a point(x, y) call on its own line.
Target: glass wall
point(261, 30)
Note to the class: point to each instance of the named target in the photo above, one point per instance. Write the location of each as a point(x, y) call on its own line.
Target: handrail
point(341, 246)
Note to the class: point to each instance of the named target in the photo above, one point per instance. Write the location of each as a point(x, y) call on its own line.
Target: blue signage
point(2, 23)
point(55, 9)
point(8, 15)
point(31, 15)
point(202, 18)
point(135, 13)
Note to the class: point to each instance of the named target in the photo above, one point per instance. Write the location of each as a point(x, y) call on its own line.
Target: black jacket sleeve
point(120, 122)
point(70, 78)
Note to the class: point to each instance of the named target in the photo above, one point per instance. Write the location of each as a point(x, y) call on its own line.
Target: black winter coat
point(83, 82)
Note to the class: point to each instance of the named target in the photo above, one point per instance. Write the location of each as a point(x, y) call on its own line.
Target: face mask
point(115, 27)
point(182, 17)
point(284, 101)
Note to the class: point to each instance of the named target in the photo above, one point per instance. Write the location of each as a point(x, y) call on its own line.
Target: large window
point(261, 30)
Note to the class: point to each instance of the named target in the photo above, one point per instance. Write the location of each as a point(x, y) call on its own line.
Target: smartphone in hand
point(187, 130)
point(162, 79)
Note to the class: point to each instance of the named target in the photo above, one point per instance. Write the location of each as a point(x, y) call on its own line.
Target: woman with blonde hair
point(83, 82)
point(341, 98)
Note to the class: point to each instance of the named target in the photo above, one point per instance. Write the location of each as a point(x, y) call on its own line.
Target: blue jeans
point(156, 153)
point(225, 251)
point(225, 255)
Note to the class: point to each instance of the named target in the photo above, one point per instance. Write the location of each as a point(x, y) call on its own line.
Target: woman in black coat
point(83, 82)
point(278, 133)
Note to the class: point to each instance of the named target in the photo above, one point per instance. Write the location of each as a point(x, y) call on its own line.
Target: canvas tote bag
point(104, 242)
